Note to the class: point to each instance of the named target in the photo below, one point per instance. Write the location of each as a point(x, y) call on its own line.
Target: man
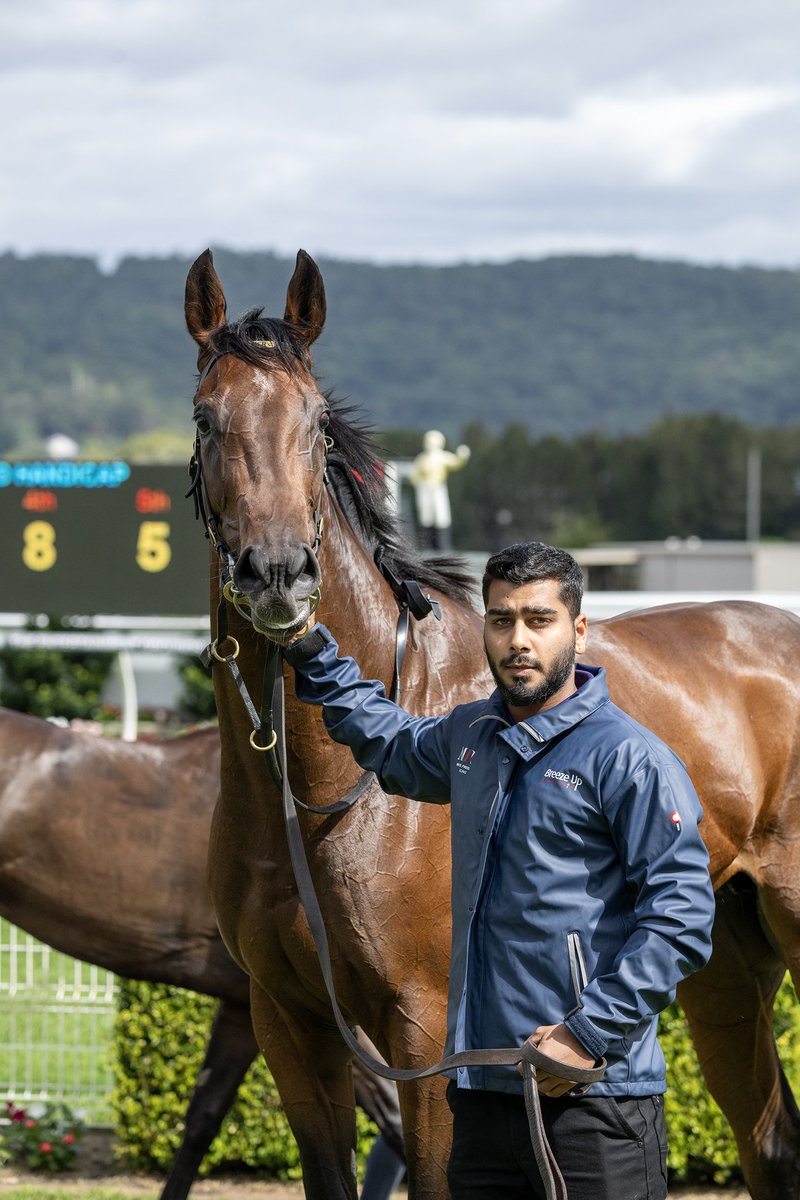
point(580, 891)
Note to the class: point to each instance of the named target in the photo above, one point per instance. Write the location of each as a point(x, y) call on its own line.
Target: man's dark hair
point(526, 562)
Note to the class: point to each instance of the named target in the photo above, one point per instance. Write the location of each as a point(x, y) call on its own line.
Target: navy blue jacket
point(580, 887)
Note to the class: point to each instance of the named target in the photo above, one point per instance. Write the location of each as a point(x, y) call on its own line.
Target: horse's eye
point(324, 419)
point(203, 425)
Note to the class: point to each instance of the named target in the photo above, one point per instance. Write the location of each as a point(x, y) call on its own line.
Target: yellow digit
point(39, 546)
point(153, 551)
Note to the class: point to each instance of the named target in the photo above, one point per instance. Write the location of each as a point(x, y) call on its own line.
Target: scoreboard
point(100, 537)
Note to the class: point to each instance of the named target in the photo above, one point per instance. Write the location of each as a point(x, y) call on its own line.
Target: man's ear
point(581, 633)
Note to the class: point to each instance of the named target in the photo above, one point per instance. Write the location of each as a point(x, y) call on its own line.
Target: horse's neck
point(357, 603)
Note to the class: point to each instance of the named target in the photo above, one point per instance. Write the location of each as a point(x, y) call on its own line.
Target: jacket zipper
point(577, 965)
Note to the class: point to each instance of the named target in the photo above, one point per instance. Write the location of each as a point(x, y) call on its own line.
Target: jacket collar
point(529, 735)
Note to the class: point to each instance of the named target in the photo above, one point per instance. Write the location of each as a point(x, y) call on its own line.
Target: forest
point(566, 347)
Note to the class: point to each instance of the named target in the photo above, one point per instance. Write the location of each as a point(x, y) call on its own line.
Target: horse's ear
point(204, 305)
point(305, 299)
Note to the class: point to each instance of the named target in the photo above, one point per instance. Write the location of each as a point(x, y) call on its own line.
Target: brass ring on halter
point(314, 601)
point(222, 657)
point(262, 749)
point(242, 606)
point(235, 597)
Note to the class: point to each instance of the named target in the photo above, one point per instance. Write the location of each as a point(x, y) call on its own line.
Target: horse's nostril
point(295, 564)
point(304, 571)
point(293, 570)
point(250, 573)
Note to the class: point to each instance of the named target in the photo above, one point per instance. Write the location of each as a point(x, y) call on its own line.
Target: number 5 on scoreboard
point(153, 551)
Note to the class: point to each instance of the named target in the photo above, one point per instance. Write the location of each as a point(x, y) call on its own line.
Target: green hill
point(560, 345)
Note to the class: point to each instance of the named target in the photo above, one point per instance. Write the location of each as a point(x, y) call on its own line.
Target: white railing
point(56, 1018)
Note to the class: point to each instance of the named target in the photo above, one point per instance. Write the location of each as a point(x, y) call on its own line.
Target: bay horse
point(296, 514)
point(103, 848)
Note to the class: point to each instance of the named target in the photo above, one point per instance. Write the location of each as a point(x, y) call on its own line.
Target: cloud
point(479, 129)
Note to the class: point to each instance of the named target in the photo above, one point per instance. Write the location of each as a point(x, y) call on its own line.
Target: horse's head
point(261, 420)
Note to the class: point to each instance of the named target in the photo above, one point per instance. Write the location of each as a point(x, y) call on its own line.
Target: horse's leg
point(728, 1005)
point(427, 1121)
point(310, 1064)
point(231, 1049)
point(428, 1127)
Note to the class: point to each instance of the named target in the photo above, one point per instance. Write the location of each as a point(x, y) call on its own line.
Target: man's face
point(531, 641)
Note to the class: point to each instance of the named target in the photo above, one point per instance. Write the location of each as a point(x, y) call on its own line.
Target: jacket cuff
point(586, 1033)
point(306, 647)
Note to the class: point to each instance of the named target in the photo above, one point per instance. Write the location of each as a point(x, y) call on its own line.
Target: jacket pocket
point(577, 965)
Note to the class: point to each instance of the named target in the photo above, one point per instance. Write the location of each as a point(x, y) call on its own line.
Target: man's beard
point(519, 695)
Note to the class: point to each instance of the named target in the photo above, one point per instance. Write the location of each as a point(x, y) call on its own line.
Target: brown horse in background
point(718, 682)
point(103, 848)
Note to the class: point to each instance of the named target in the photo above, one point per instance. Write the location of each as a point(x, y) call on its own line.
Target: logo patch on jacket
point(464, 760)
point(565, 778)
point(676, 821)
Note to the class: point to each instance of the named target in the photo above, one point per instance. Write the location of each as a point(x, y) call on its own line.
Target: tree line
point(685, 476)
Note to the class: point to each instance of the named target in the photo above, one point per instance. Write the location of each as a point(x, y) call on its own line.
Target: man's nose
point(520, 636)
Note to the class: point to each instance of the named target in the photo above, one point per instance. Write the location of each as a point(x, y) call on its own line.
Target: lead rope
point(527, 1054)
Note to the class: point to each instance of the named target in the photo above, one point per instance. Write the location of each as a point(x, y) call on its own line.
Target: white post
point(130, 700)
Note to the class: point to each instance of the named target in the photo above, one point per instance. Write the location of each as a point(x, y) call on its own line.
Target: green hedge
point(49, 683)
point(701, 1144)
point(161, 1033)
point(160, 1039)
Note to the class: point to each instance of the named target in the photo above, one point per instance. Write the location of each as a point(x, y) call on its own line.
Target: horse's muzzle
point(277, 583)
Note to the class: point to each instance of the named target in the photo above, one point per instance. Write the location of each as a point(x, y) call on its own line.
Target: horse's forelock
point(259, 340)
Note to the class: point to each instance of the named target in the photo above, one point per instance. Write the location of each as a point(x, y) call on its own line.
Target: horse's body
point(103, 848)
point(715, 681)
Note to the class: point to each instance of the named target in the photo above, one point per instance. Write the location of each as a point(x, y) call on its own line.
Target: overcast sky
point(435, 131)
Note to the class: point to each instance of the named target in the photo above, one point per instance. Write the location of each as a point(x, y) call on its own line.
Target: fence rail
point(56, 1018)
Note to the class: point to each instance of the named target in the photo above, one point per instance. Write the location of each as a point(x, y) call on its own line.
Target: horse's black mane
point(355, 467)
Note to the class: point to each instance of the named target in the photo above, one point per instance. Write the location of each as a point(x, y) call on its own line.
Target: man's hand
point(556, 1041)
point(301, 633)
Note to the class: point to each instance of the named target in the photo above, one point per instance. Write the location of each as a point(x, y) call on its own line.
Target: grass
point(57, 1191)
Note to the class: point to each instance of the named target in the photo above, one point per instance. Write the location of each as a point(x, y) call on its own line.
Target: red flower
point(16, 1114)
point(30, 1123)
point(68, 1139)
point(45, 1147)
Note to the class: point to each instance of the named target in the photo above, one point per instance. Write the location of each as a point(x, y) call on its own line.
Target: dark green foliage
point(701, 1145)
point(685, 476)
point(160, 1038)
point(560, 345)
point(196, 700)
point(53, 683)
